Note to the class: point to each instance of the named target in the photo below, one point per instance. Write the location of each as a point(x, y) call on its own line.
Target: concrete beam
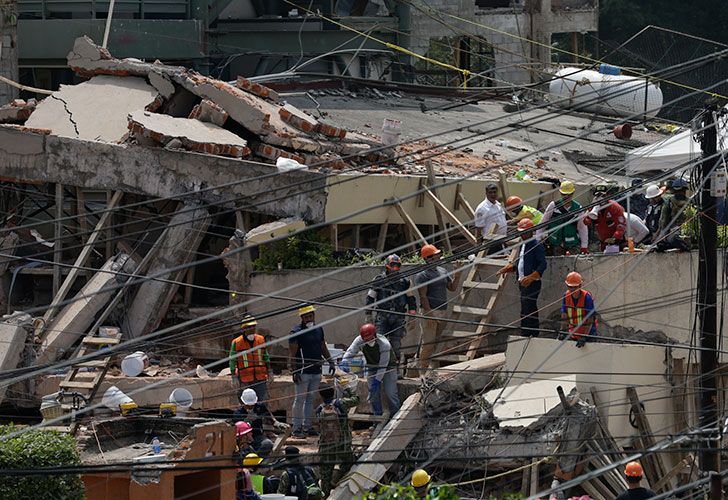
point(159, 172)
point(75, 318)
point(184, 234)
point(13, 338)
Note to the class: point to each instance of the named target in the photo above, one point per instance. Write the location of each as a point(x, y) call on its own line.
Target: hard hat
point(633, 469)
point(242, 428)
point(593, 214)
point(573, 279)
point(567, 187)
point(305, 310)
point(420, 478)
point(251, 459)
point(525, 224)
point(428, 251)
point(513, 201)
point(393, 261)
point(249, 397)
point(248, 320)
point(368, 332)
point(652, 191)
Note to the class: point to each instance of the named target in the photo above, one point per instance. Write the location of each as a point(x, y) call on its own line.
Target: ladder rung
point(97, 363)
point(100, 340)
point(487, 261)
point(72, 384)
point(451, 358)
point(481, 285)
point(460, 334)
point(476, 311)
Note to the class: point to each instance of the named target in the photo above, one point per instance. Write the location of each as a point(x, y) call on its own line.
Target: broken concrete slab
point(162, 83)
point(257, 89)
point(275, 229)
point(18, 111)
point(32, 157)
point(194, 135)
point(524, 404)
point(208, 111)
point(182, 237)
point(94, 110)
point(75, 318)
point(13, 340)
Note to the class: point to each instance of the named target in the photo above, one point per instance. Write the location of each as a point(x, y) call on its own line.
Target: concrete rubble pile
point(156, 105)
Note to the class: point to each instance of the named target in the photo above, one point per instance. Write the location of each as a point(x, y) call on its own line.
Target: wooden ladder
point(474, 310)
point(85, 377)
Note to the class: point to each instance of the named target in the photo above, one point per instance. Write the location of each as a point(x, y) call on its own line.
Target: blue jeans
point(306, 391)
point(389, 385)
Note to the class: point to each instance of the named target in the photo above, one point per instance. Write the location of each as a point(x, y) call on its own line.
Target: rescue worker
point(421, 482)
point(433, 284)
point(250, 363)
point(334, 434)
point(388, 316)
point(298, 480)
point(243, 440)
point(609, 222)
point(307, 350)
point(633, 474)
point(529, 269)
point(653, 214)
point(255, 413)
point(566, 234)
point(381, 367)
point(490, 218)
point(517, 211)
point(244, 481)
point(672, 217)
point(578, 315)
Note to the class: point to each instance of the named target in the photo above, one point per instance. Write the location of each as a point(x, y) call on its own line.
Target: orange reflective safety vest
point(251, 365)
point(576, 313)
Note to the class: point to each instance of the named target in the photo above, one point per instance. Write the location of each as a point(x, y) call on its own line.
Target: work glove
point(280, 426)
point(411, 312)
point(581, 342)
point(332, 367)
point(296, 377)
point(527, 280)
point(234, 379)
point(560, 335)
point(610, 241)
point(584, 250)
point(344, 366)
point(374, 384)
point(508, 268)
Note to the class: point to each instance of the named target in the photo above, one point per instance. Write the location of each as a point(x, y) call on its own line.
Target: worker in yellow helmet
point(249, 360)
point(421, 482)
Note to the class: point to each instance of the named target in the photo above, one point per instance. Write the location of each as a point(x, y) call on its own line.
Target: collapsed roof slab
point(159, 172)
point(13, 336)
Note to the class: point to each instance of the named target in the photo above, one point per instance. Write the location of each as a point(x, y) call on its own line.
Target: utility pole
point(707, 284)
point(8, 49)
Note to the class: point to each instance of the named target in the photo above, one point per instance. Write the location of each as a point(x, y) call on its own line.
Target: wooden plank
point(652, 461)
point(109, 247)
point(97, 363)
point(481, 285)
point(477, 311)
point(334, 236)
point(366, 417)
point(462, 203)
point(682, 465)
point(450, 358)
point(72, 384)
point(438, 213)
point(410, 223)
point(100, 340)
point(382, 238)
point(383, 451)
point(447, 213)
point(460, 334)
point(534, 476)
point(490, 261)
point(190, 280)
point(679, 401)
point(60, 295)
point(57, 244)
point(356, 236)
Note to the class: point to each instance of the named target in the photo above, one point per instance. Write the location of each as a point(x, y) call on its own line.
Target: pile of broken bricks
point(157, 105)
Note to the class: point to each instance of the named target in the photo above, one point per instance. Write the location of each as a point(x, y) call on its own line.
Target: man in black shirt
point(255, 413)
point(633, 473)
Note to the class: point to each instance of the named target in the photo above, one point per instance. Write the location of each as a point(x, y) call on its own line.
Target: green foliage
point(691, 229)
point(297, 252)
point(39, 449)
point(408, 492)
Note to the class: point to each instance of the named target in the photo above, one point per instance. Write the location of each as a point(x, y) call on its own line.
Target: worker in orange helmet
point(433, 283)
point(529, 269)
point(578, 315)
point(517, 210)
point(633, 474)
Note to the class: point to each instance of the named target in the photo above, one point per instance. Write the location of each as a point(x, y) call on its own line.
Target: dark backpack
point(302, 483)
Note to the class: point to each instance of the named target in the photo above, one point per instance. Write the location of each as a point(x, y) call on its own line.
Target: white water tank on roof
point(612, 95)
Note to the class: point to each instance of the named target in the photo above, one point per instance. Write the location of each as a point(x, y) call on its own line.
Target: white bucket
point(183, 399)
point(113, 397)
point(134, 364)
point(391, 130)
point(290, 497)
point(274, 496)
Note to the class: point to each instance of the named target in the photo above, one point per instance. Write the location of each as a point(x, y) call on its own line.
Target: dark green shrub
point(34, 450)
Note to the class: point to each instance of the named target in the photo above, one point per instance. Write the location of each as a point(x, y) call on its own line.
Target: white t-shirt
point(488, 215)
point(521, 260)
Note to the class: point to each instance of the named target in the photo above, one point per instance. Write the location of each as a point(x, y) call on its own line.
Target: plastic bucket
point(183, 399)
point(273, 496)
point(623, 131)
point(357, 365)
point(113, 397)
point(289, 497)
point(134, 364)
point(391, 130)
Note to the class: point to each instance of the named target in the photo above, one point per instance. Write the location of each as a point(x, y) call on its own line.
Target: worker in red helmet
point(529, 269)
point(578, 315)
point(633, 474)
point(433, 283)
point(381, 367)
point(609, 221)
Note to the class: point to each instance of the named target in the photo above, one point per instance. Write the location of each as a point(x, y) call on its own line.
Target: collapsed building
point(114, 186)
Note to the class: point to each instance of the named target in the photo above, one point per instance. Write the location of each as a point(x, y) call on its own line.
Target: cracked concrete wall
point(159, 172)
point(8, 49)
